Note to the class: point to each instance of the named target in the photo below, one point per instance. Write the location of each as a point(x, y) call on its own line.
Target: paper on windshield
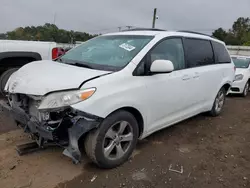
point(127, 47)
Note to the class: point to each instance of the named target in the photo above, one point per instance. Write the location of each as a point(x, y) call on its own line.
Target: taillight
point(57, 52)
point(54, 53)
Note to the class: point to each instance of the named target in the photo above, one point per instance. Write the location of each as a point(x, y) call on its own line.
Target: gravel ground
point(199, 152)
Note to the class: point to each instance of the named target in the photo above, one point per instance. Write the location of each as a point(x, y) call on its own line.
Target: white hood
point(41, 77)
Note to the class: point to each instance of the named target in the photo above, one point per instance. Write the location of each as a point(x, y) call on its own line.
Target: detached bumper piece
point(64, 132)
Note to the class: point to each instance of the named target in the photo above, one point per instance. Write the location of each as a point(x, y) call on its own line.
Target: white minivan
point(112, 90)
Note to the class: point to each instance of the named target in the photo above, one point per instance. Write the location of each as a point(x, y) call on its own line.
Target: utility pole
point(54, 21)
point(154, 18)
point(119, 28)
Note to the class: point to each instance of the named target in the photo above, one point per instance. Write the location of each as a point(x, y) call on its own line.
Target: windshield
point(241, 62)
point(106, 52)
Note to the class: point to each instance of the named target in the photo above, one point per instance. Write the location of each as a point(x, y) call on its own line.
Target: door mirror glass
point(161, 66)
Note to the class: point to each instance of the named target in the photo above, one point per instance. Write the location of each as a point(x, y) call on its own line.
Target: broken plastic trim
point(80, 126)
point(81, 123)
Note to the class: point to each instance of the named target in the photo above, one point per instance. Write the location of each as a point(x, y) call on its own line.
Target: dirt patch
point(43, 169)
point(200, 152)
point(6, 123)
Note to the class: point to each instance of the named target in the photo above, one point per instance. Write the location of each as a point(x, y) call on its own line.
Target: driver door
point(170, 94)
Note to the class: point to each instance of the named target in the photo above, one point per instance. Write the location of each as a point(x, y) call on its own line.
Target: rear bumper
point(70, 129)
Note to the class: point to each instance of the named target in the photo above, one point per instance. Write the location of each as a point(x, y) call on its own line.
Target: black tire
point(4, 78)
point(245, 91)
point(215, 111)
point(95, 140)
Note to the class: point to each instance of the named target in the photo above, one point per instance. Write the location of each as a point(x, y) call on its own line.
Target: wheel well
point(11, 62)
point(226, 86)
point(137, 116)
point(131, 110)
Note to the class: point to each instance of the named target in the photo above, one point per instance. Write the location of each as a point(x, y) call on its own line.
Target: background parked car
point(16, 53)
point(242, 75)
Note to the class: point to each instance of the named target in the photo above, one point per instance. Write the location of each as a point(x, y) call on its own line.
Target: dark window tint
point(198, 52)
point(141, 69)
point(221, 53)
point(170, 49)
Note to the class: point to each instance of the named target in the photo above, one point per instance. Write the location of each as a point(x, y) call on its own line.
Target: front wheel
point(246, 89)
point(218, 102)
point(114, 141)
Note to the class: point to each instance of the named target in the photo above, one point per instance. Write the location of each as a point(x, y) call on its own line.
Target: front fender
point(102, 108)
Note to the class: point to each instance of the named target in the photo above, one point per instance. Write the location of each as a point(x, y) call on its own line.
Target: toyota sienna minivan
point(116, 88)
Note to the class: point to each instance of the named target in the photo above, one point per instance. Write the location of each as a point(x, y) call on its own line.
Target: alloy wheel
point(117, 140)
point(219, 101)
point(246, 89)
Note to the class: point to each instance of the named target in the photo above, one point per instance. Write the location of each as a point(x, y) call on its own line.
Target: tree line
point(239, 34)
point(47, 32)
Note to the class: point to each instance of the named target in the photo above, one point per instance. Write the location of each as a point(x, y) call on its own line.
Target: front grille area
point(33, 109)
point(30, 104)
point(27, 103)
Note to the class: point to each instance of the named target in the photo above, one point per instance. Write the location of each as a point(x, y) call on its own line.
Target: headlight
point(238, 77)
point(67, 98)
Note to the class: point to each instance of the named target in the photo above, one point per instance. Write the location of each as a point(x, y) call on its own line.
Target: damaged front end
point(63, 127)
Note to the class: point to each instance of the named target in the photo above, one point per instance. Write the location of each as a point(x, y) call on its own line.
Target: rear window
point(221, 53)
point(199, 52)
point(241, 62)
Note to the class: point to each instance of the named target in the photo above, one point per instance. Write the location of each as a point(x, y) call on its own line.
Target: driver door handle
point(196, 75)
point(186, 77)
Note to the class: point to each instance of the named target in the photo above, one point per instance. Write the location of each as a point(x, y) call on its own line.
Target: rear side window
point(222, 55)
point(199, 52)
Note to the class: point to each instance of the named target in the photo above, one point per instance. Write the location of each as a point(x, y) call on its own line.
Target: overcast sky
point(101, 16)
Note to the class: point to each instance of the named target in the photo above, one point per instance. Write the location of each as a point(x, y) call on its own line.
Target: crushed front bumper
point(70, 129)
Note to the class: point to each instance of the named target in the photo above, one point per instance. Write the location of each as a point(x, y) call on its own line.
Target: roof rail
point(144, 29)
point(194, 32)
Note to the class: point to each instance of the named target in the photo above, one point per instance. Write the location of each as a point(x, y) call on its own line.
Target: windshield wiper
point(81, 65)
point(59, 59)
point(75, 63)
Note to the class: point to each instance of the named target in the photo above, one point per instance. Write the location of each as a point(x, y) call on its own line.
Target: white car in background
point(242, 75)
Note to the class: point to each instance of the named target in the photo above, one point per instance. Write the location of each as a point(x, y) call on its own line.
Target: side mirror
point(161, 66)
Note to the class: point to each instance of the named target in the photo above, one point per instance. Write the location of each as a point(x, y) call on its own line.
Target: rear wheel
point(114, 141)
point(218, 102)
point(4, 78)
point(246, 89)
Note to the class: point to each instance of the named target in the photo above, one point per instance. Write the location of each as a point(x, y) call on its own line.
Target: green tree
point(238, 35)
point(3, 36)
point(220, 34)
point(47, 32)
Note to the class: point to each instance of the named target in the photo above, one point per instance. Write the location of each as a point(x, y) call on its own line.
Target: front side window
point(199, 52)
point(170, 49)
point(241, 62)
point(106, 52)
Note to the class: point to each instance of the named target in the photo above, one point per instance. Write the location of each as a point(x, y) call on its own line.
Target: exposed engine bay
point(63, 127)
